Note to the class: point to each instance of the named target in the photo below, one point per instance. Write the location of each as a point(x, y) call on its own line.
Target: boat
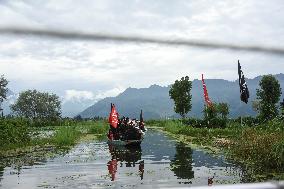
point(124, 131)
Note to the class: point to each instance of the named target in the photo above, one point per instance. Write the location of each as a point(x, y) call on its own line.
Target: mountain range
point(156, 103)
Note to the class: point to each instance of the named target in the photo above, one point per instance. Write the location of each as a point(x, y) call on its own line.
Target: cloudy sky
point(91, 70)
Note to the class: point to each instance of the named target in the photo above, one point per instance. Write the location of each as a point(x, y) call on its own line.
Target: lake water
point(159, 162)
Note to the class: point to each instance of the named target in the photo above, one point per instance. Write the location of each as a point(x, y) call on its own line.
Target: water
point(159, 162)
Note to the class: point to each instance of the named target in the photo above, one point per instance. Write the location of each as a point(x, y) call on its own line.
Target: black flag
point(243, 85)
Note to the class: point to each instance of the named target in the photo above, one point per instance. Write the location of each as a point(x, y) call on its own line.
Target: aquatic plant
point(13, 132)
point(98, 127)
point(65, 136)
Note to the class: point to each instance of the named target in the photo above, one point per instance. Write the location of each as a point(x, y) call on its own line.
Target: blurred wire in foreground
point(138, 39)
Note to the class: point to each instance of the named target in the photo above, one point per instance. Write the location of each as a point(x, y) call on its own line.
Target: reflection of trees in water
point(181, 165)
point(130, 155)
point(1, 172)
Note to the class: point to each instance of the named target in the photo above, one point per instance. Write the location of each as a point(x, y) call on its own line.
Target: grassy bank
point(17, 136)
point(259, 148)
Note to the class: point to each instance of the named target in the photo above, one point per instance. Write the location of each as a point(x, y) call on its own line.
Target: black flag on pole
point(243, 85)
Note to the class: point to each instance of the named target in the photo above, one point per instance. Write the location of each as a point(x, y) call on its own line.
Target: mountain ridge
point(156, 103)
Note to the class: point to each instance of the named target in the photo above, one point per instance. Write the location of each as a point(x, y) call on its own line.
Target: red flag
point(113, 117)
point(206, 97)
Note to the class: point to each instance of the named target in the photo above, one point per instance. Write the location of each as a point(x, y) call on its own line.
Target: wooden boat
point(125, 132)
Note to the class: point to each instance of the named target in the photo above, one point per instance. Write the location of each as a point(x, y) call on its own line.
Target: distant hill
point(156, 103)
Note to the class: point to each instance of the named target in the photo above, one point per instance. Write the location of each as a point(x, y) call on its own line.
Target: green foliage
point(210, 112)
point(13, 132)
point(263, 150)
point(3, 88)
point(223, 109)
point(269, 95)
point(247, 121)
point(201, 135)
point(37, 106)
point(98, 127)
point(66, 136)
point(216, 115)
point(180, 93)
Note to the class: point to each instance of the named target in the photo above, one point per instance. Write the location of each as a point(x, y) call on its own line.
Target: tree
point(268, 96)
point(180, 93)
point(37, 105)
point(210, 112)
point(3, 90)
point(223, 109)
point(216, 115)
point(256, 105)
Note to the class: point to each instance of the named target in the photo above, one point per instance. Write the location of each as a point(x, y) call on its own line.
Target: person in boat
point(133, 131)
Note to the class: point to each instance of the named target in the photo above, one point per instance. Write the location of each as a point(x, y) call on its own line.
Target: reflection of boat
point(125, 142)
point(128, 154)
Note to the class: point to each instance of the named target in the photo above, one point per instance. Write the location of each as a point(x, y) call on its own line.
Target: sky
point(92, 70)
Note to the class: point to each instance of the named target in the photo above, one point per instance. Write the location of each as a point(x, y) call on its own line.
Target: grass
point(98, 128)
point(65, 136)
point(68, 135)
point(17, 136)
point(203, 136)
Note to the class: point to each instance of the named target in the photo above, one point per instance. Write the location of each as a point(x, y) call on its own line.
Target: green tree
point(180, 93)
point(37, 105)
point(268, 96)
point(256, 105)
point(216, 115)
point(3, 90)
point(210, 112)
point(223, 109)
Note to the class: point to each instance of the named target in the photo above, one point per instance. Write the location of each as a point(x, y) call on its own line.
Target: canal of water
point(159, 162)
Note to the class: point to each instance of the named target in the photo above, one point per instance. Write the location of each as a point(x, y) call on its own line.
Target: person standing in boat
point(113, 121)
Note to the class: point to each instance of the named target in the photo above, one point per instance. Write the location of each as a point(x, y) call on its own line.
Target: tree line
point(267, 102)
point(32, 104)
point(43, 106)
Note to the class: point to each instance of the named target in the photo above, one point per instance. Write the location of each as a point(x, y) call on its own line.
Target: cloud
point(80, 96)
point(110, 93)
point(92, 70)
point(74, 95)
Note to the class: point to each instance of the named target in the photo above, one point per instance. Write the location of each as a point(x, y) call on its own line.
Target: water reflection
point(181, 165)
point(159, 162)
point(129, 156)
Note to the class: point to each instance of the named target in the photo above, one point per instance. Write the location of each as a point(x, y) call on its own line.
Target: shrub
point(13, 131)
point(263, 149)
